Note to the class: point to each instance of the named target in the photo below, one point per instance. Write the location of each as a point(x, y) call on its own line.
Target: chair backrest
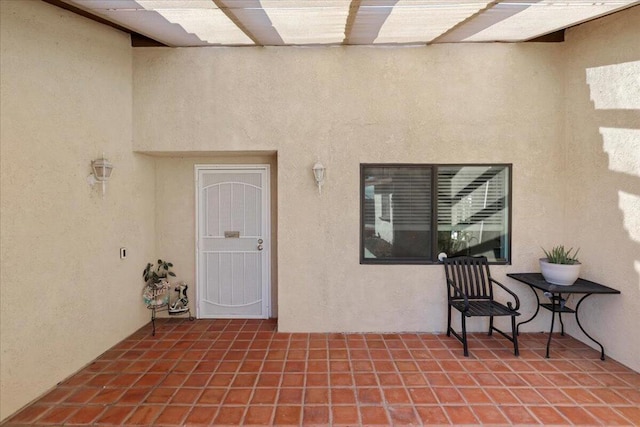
point(471, 274)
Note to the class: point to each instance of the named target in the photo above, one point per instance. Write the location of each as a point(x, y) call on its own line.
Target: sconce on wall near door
point(102, 169)
point(319, 175)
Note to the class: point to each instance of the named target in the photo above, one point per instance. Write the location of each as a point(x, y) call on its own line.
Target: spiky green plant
point(558, 255)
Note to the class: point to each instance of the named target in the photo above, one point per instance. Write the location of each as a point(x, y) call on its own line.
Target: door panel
point(233, 232)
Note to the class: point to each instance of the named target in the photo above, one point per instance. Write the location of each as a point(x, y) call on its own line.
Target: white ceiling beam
point(367, 20)
point(251, 19)
point(479, 22)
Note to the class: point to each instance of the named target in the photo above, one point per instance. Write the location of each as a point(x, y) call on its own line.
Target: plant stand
point(156, 297)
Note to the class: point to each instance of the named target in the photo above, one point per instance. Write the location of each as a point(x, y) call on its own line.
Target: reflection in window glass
point(470, 205)
point(397, 213)
point(473, 211)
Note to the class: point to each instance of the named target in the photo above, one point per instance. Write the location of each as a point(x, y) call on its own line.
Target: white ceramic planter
point(559, 274)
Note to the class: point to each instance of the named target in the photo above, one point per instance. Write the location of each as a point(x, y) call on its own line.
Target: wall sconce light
point(102, 169)
point(318, 174)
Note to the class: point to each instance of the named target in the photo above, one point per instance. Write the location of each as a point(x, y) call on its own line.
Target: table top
point(581, 286)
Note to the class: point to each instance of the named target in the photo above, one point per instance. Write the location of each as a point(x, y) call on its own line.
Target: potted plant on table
point(560, 267)
point(155, 291)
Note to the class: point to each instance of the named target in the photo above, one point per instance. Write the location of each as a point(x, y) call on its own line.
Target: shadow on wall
point(615, 93)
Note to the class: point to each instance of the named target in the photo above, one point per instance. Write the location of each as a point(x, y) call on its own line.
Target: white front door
point(233, 241)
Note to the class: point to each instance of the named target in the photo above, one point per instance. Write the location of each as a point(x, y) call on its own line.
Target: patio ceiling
point(182, 23)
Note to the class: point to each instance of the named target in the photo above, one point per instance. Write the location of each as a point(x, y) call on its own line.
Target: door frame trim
point(267, 229)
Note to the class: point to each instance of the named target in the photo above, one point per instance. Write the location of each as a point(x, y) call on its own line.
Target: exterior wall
point(603, 175)
point(559, 113)
point(346, 106)
point(65, 296)
point(176, 218)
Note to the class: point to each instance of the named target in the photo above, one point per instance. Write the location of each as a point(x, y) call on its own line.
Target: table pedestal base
point(557, 306)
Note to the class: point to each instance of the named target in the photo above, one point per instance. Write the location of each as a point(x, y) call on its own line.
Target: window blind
point(411, 198)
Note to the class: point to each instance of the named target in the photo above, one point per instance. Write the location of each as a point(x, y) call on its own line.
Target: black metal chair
point(470, 291)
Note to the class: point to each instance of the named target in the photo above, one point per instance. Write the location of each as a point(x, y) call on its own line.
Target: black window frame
point(434, 211)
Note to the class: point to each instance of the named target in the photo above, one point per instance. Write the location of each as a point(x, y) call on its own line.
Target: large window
point(412, 213)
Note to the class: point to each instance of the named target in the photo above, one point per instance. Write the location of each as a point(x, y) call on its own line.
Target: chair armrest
point(515, 297)
point(458, 290)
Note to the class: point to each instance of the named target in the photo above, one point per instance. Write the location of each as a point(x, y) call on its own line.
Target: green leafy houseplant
point(156, 285)
point(558, 255)
point(154, 275)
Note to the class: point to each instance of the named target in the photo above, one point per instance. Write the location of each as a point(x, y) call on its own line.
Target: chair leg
point(516, 351)
point(449, 320)
point(464, 335)
point(490, 325)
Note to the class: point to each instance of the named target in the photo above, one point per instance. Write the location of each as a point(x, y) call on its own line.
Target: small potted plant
point(560, 267)
point(155, 291)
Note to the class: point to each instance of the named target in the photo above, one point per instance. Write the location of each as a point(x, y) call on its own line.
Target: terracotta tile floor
point(232, 372)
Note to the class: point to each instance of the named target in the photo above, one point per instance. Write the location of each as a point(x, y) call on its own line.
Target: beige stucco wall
point(65, 296)
point(346, 106)
point(559, 112)
point(603, 174)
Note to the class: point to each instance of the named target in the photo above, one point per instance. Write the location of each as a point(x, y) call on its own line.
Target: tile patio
point(243, 372)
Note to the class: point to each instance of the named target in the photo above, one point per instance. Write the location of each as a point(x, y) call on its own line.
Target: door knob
point(259, 247)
